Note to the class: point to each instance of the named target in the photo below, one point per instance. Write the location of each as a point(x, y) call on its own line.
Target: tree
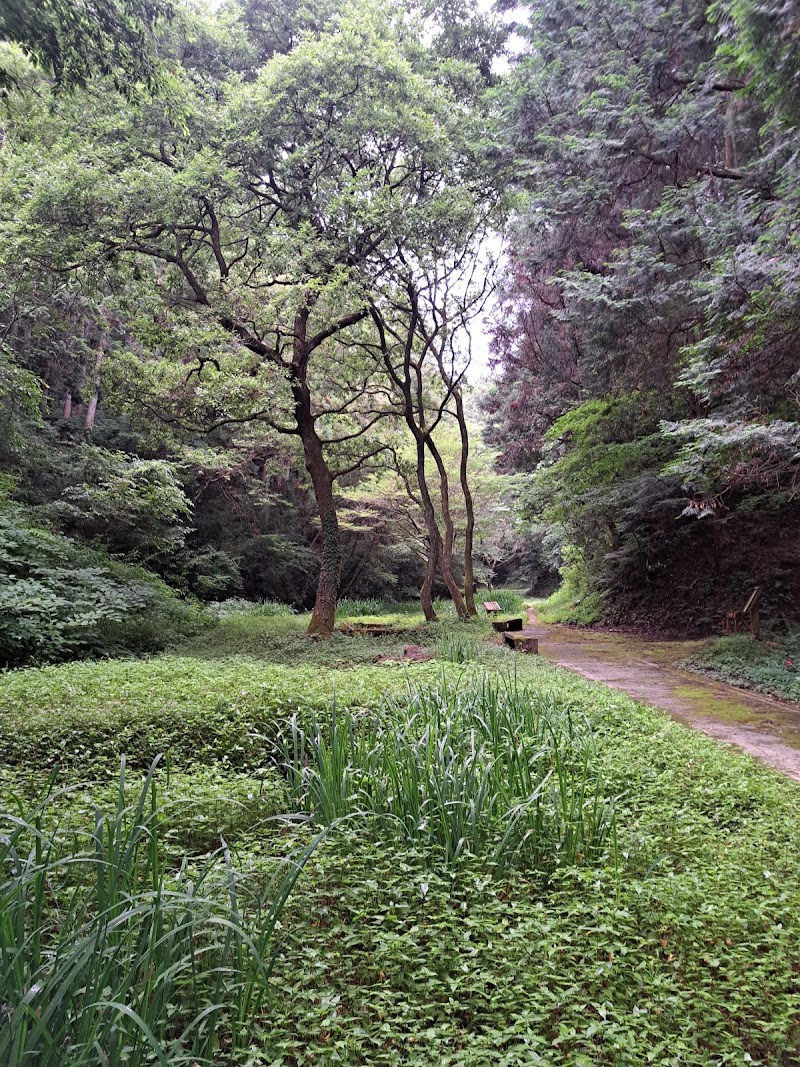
point(646, 341)
point(269, 211)
point(76, 42)
point(423, 341)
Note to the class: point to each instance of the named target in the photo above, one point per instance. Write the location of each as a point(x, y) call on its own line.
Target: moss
point(705, 702)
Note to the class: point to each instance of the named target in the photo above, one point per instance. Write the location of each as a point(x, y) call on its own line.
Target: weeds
point(770, 665)
point(570, 606)
point(492, 769)
point(457, 646)
point(109, 957)
point(489, 900)
point(510, 600)
point(267, 609)
point(349, 607)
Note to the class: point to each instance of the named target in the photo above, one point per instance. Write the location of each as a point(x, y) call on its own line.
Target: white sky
point(479, 372)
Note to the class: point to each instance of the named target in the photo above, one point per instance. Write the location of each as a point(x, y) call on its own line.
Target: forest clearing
point(399, 533)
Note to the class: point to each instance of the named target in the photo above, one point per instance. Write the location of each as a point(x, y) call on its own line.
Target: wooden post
point(751, 609)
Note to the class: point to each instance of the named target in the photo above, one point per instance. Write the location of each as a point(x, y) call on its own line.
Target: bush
point(60, 601)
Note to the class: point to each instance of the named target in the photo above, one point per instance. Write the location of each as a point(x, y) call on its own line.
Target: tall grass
point(457, 645)
point(353, 607)
point(510, 600)
point(487, 768)
point(107, 957)
point(238, 606)
point(356, 607)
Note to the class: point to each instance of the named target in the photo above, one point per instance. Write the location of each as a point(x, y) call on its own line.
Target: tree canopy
point(244, 250)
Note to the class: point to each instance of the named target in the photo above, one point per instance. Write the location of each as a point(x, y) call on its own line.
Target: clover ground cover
point(674, 941)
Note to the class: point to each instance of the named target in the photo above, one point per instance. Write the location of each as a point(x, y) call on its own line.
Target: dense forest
point(245, 255)
point(647, 342)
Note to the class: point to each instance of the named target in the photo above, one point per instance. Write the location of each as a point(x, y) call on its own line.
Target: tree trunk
point(446, 557)
point(434, 537)
point(469, 505)
point(323, 617)
point(432, 554)
point(91, 411)
point(426, 592)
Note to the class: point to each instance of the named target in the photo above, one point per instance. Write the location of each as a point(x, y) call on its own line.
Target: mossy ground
point(714, 706)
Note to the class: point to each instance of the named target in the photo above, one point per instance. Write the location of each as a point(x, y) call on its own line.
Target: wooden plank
point(491, 606)
point(752, 600)
point(501, 625)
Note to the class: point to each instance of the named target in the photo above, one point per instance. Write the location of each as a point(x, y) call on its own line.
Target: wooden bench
point(491, 606)
point(502, 625)
point(747, 618)
point(523, 641)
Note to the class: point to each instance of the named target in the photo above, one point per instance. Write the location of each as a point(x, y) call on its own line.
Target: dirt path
point(647, 670)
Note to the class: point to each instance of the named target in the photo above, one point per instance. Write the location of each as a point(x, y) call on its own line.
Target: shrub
point(59, 601)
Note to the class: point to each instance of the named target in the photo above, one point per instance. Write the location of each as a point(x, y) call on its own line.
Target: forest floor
point(651, 670)
point(496, 860)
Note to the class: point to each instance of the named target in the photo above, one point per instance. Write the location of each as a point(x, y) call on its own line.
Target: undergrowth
point(771, 665)
point(489, 768)
point(107, 955)
point(519, 870)
point(457, 645)
point(510, 600)
point(569, 606)
point(239, 606)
